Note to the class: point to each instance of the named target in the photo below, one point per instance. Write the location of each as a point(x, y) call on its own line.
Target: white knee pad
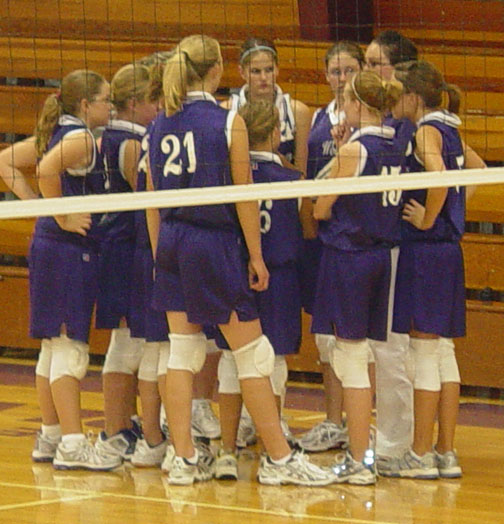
point(43, 368)
point(371, 355)
point(426, 357)
point(227, 373)
point(149, 363)
point(448, 368)
point(279, 376)
point(349, 361)
point(325, 344)
point(69, 358)
point(187, 352)
point(256, 359)
point(212, 347)
point(124, 353)
point(164, 356)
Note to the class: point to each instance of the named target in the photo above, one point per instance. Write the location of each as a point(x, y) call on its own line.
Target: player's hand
point(414, 213)
point(75, 223)
point(258, 275)
point(340, 134)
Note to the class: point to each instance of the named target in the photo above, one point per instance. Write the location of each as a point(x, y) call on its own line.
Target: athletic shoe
point(168, 458)
point(163, 423)
point(386, 465)
point(183, 473)
point(146, 456)
point(136, 428)
point(324, 436)
point(204, 422)
point(351, 471)
point(246, 435)
point(85, 456)
point(226, 466)
point(297, 470)
point(448, 465)
point(44, 449)
point(410, 465)
point(289, 437)
point(121, 444)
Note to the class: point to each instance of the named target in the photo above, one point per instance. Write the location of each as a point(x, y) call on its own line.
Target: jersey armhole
point(83, 171)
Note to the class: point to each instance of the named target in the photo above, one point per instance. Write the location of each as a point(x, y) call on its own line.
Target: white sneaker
point(168, 458)
point(297, 470)
point(448, 465)
point(324, 436)
point(412, 466)
point(204, 422)
point(183, 473)
point(121, 444)
point(351, 471)
point(146, 456)
point(226, 466)
point(246, 435)
point(44, 449)
point(163, 423)
point(85, 456)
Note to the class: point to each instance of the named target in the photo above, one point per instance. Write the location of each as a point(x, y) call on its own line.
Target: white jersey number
point(393, 196)
point(170, 145)
point(265, 216)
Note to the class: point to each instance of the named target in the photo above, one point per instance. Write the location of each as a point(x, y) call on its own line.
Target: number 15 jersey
point(368, 220)
point(190, 149)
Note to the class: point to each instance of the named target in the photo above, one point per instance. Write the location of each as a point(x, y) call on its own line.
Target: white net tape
point(243, 193)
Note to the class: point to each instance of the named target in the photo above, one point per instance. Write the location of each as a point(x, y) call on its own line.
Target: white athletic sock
point(282, 461)
point(72, 440)
point(52, 432)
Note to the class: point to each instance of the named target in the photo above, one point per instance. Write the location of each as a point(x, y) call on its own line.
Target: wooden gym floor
point(36, 494)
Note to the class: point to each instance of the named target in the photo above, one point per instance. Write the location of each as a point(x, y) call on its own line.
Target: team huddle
point(198, 291)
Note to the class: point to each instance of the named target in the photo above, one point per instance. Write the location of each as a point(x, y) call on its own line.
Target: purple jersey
point(76, 182)
point(281, 234)
point(321, 146)
point(115, 137)
point(286, 115)
point(193, 151)
point(369, 220)
point(450, 223)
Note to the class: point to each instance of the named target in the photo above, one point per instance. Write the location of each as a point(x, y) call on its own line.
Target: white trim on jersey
point(265, 156)
point(122, 149)
point(229, 127)
point(381, 131)
point(445, 117)
point(69, 120)
point(363, 156)
point(193, 96)
point(125, 125)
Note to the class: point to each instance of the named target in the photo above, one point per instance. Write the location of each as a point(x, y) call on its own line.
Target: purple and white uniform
point(354, 275)
point(200, 267)
point(144, 322)
point(430, 290)
point(286, 116)
point(116, 260)
point(64, 265)
point(281, 239)
point(321, 150)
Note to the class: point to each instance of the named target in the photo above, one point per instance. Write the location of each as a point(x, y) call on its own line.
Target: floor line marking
point(22, 505)
point(203, 505)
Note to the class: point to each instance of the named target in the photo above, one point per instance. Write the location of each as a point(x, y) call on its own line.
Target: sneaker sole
point(77, 466)
point(417, 474)
point(267, 481)
point(454, 474)
point(42, 459)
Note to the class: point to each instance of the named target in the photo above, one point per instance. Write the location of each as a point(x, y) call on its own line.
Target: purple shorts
point(202, 272)
point(144, 321)
point(114, 283)
point(63, 287)
point(309, 267)
point(280, 309)
point(430, 289)
point(352, 293)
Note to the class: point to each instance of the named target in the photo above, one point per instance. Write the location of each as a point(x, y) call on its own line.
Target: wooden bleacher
point(37, 45)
